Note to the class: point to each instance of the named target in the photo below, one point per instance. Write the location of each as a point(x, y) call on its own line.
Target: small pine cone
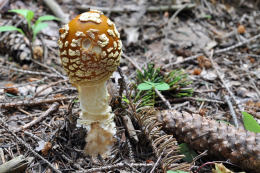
point(220, 139)
point(15, 45)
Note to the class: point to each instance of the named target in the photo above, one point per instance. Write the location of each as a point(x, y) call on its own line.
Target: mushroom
point(90, 51)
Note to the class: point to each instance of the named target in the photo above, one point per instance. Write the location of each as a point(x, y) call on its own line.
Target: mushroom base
point(97, 118)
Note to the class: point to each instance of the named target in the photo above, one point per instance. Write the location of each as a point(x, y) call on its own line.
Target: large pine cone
point(220, 139)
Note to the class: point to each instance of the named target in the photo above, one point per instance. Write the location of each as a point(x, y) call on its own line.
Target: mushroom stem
point(94, 101)
point(96, 117)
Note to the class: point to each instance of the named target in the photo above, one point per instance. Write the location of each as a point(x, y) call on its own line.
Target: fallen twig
point(25, 84)
point(134, 8)
point(216, 52)
point(31, 72)
point(215, 66)
point(116, 166)
point(57, 10)
point(50, 68)
point(232, 112)
point(52, 109)
point(48, 86)
point(34, 102)
point(5, 126)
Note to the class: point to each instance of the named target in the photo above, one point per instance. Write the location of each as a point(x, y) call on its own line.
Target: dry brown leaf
point(13, 90)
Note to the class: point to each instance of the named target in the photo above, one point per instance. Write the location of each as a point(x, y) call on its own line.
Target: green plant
point(178, 81)
point(162, 86)
point(32, 29)
point(250, 123)
point(188, 152)
point(35, 28)
point(151, 85)
point(152, 78)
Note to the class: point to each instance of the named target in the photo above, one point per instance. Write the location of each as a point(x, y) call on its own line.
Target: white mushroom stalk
point(90, 51)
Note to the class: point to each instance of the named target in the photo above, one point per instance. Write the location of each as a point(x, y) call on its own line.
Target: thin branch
point(48, 86)
point(30, 72)
point(215, 66)
point(116, 166)
point(135, 8)
point(25, 84)
point(216, 52)
point(57, 10)
point(5, 126)
point(52, 109)
point(34, 102)
point(232, 112)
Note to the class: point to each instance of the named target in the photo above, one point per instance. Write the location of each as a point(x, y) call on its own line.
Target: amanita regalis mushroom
point(90, 51)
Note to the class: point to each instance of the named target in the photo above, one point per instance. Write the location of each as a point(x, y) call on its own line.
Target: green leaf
point(178, 171)
point(189, 153)
point(37, 28)
point(144, 86)
point(10, 28)
point(45, 18)
point(76, 101)
point(23, 12)
point(28, 14)
point(162, 86)
point(250, 123)
point(124, 98)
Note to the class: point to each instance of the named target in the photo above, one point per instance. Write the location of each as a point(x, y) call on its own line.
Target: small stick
point(217, 51)
point(116, 166)
point(130, 128)
point(34, 102)
point(25, 84)
point(31, 72)
point(157, 162)
point(214, 65)
point(166, 102)
point(5, 126)
point(57, 10)
point(132, 62)
point(49, 68)
point(48, 86)
point(134, 8)
point(52, 109)
point(76, 165)
point(132, 168)
point(232, 112)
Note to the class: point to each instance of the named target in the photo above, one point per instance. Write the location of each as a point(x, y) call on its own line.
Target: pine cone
point(220, 139)
point(15, 45)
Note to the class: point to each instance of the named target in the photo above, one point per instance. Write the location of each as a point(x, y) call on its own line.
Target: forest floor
point(216, 43)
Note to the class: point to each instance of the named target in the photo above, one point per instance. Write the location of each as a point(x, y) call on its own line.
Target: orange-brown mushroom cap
point(90, 47)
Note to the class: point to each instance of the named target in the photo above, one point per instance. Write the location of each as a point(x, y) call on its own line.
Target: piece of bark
point(16, 165)
point(130, 128)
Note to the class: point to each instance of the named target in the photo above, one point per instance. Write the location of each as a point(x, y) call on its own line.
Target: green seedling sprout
point(162, 86)
point(34, 29)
